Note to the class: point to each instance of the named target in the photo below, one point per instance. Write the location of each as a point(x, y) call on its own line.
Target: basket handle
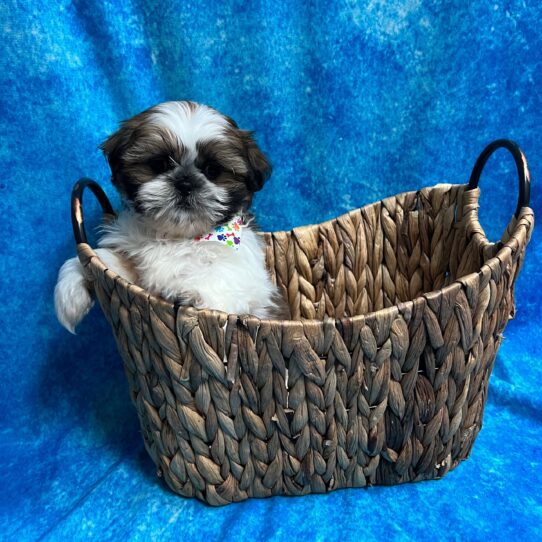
point(77, 206)
point(521, 165)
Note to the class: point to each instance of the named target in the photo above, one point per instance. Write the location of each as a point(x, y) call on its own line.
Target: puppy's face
point(185, 166)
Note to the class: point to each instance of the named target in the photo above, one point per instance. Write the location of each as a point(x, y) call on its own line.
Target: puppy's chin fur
point(181, 168)
point(162, 210)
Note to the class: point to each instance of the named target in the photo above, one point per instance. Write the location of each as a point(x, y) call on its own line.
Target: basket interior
point(378, 256)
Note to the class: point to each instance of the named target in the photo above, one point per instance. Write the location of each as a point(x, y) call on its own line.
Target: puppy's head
point(185, 166)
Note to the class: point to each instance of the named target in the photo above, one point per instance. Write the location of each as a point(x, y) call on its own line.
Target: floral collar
point(228, 234)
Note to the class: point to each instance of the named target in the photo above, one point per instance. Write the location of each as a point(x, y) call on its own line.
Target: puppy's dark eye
point(211, 170)
point(160, 164)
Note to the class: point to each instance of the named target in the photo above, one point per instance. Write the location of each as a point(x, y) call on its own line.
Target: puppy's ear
point(259, 167)
point(114, 147)
point(232, 123)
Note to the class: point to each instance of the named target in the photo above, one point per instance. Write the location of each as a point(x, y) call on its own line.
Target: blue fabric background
point(353, 101)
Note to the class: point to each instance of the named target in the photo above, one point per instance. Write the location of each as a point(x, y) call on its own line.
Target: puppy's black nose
point(184, 185)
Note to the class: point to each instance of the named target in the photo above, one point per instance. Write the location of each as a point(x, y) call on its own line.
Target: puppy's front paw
point(72, 297)
point(188, 299)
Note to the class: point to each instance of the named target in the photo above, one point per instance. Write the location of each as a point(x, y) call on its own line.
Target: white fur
point(209, 274)
point(190, 125)
point(72, 296)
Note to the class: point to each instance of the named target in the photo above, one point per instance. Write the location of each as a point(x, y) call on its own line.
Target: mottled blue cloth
point(352, 101)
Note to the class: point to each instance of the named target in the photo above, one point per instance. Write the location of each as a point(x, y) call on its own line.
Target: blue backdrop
point(353, 101)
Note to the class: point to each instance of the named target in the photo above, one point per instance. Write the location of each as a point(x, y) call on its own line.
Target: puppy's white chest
point(204, 274)
point(207, 274)
point(171, 266)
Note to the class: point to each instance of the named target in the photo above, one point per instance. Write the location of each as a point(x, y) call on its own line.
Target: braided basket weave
point(380, 378)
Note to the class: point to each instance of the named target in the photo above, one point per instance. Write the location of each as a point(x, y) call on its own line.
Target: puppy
point(186, 175)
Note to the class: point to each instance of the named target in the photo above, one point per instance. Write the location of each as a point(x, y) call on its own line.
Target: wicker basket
point(380, 378)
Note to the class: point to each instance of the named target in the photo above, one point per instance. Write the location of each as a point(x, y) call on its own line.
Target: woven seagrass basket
point(380, 378)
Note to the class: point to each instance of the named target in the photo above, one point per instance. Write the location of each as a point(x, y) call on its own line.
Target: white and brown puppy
point(187, 175)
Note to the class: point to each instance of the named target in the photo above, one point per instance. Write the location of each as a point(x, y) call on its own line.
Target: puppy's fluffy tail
point(72, 297)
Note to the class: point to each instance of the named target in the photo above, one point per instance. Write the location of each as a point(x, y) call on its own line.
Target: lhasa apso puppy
point(186, 175)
